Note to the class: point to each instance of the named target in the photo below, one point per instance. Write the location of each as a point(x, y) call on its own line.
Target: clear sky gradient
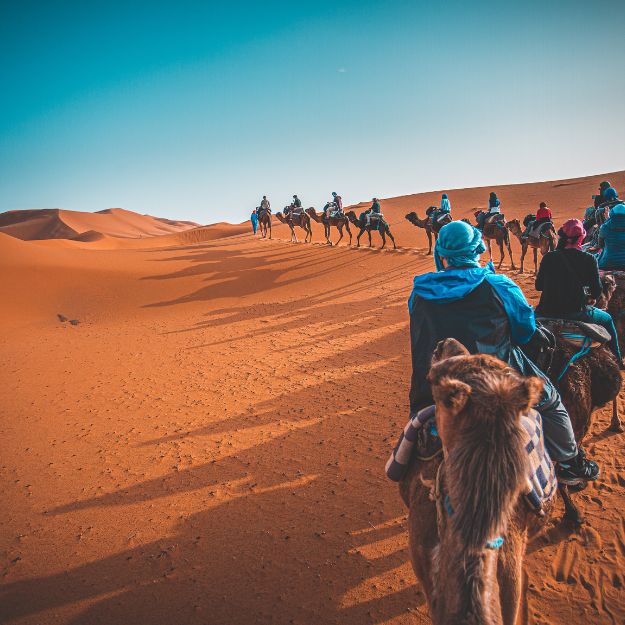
point(194, 110)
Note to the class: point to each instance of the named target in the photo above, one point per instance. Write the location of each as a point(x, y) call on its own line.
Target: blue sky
point(194, 110)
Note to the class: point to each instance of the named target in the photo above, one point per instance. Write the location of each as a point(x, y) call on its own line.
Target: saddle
point(539, 230)
point(494, 218)
point(577, 333)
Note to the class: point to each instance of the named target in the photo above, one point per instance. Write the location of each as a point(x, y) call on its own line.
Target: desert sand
point(207, 444)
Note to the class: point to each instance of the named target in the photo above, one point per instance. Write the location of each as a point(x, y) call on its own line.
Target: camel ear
point(447, 348)
point(452, 394)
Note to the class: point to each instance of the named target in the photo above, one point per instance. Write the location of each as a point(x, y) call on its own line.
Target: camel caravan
point(332, 216)
point(502, 395)
point(501, 400)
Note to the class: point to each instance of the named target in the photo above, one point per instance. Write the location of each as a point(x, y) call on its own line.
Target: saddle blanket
point(541, 479)
point(538, 230)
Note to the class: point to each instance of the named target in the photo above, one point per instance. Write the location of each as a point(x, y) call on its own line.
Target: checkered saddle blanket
point(416, 442)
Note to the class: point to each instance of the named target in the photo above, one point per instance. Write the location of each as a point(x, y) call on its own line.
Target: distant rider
point(375, 212)
point(265, 205)
point(543, 216)
point(494, 208)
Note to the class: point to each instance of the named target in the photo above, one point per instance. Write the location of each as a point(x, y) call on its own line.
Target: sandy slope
point(207, 444)
point(54, 223)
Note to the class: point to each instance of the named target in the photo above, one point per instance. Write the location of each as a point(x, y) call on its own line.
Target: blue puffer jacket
point(612, 233)
point(486, 312)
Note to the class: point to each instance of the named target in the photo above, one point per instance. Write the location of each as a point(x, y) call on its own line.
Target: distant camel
point(546, 242)
point(498, 233)
point(264, 222)
point(361, 222)
point(468, 519)
point(303, 221)
point(338, 222)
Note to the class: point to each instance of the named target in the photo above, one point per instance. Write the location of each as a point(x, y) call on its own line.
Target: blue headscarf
point(460, 244)
point(445, 204)
point(610, 194)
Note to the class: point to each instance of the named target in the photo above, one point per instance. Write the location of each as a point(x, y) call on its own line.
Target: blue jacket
point(613, 234)
point(486, 312)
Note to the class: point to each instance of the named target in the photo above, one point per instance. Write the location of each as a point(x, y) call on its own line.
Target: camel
point(338, 222)
point(500, 235)
point(545, 243)
point(463, 502)
point(613, 300)
point(264, 222)
point(590, 382)
point(303, 222)
point(431, 228)
point(360, 222)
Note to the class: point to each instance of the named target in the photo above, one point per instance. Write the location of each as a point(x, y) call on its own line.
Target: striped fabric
point(541, 480)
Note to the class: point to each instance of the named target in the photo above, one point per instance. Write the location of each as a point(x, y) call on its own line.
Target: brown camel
point(590, 382)
point(545, 243)
point(500, 235)
point(361, 223)
point(472, 494)
point(264, 222)
point(431, 228)
point(338, 222)
point(613, 301)
point(302, 220)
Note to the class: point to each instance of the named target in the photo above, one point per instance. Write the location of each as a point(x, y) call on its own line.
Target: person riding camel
point(533, 227)
point(569, 282)
point(494, 208)
point(437, 214)
point(265, 205)
point(487, 313)
point(375, 212)
point(590, 213)
point(296, 204)
point(338, 201)
point(611, 240)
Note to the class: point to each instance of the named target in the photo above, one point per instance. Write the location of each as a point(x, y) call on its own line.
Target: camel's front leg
point(615, 424)
point(327, 231)
point(340, 229)
point(369, 233)
point(510, 575)
point(358, 238)
point(571, 514)
point(429, 241)
point(490, 251)
point(383, 239)
point(535, 260)
point(348, 231)
point(523, 252)
point(392, 239)
point(510, 252)
point(502, 255)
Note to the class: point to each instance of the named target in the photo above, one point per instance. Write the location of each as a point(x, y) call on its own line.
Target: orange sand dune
point(207, 444)
point(55, 223)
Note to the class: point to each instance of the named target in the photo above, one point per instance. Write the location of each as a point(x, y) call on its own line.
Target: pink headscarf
point(573, 233)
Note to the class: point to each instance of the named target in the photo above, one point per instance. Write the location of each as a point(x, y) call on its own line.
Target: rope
point(584, 349)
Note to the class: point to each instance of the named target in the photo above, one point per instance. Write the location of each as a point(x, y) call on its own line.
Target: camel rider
point(534, 227)
point(265, 205)
point(296, 206)
point(494, 208)
point(569, 281)
point(375, 212)
point(612, 240)
point(487, 313)
point(436, 213)
point(600, 199)
point(338, 202)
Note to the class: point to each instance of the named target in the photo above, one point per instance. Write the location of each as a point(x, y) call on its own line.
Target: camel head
point(476, 212)
point(414, 219)
point(608, 287)
point(351, 215)
point(479, 403)
point(514, 225)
